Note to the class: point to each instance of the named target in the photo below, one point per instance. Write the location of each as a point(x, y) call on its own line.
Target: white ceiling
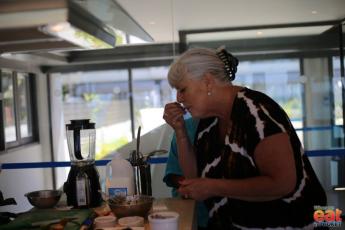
point(158, 17)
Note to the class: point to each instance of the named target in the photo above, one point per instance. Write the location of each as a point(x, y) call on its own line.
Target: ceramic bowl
point(136, 205)
point(44, 198)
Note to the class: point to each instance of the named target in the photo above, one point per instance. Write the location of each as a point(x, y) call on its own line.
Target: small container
point(166, 220)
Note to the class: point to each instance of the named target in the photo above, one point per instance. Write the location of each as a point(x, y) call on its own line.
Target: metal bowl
point(136, 205)
point(44, 198)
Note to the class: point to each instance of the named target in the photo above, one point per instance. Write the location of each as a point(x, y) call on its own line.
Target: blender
point(82, 186)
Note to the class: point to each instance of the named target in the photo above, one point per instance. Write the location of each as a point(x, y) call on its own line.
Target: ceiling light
point(58, 27)
point(339, 83)
point(259, 33)
point(68, 32)
point(152, 23)
point(314, 12)
point(339, 189)
point(47, 26)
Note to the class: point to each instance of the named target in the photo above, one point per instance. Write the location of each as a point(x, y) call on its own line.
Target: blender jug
point(82, 186)
point(81, 138)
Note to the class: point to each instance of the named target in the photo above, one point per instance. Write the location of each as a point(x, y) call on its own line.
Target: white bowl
point(104, 222)
point(166, 220)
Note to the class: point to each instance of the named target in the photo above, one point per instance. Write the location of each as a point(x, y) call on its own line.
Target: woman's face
point(193, 94)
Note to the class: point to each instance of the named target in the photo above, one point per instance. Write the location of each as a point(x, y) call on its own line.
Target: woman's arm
point(173, 115)
point(275, 161)
point(186, 155)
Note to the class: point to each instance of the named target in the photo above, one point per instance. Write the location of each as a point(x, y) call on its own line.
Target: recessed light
point(152, 23)
point(259, 33)
point(58, 27)
point(314, 12)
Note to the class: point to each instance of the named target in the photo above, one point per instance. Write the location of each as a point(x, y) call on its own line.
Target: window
point(107, 98)
point(102, 97)
point(337, 89)
point(337, 85)
point(18, 108)
point(151, 91)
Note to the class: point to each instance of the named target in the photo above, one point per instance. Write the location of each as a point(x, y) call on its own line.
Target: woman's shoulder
point(251, 93)
point(257, 97)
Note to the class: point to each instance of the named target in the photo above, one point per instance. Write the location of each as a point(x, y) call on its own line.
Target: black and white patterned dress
point(254, 117)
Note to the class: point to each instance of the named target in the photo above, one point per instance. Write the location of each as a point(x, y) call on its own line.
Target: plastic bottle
point(119, 177)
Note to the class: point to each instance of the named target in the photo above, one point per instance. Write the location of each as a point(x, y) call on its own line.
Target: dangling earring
point(208, 93)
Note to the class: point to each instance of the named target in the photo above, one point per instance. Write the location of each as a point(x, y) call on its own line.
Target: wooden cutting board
point(26, 220)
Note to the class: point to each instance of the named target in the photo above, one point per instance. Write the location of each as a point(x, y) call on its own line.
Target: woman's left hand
point(197, 188)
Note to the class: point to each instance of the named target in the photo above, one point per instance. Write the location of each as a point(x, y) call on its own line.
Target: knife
point(53, 221)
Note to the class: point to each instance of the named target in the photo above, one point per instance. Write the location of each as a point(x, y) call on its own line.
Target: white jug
point(119, 177)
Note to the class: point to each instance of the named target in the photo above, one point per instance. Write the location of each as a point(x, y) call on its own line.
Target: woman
point(246, 163)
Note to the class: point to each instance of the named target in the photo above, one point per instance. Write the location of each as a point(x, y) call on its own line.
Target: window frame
point(30, 89)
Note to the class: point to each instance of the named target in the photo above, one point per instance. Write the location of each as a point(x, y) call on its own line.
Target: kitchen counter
point(185, 208)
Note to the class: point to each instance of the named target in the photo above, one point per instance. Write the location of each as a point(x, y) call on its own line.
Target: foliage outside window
point(338, 84)
point(151, 91)
point(102, 97)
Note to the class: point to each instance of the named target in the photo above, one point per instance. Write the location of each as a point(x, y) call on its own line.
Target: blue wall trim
point(154, 160)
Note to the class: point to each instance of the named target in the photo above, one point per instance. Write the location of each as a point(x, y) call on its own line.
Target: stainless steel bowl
point(136, 205)
point(44, 198)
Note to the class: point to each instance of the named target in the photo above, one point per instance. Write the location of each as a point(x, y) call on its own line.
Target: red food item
point(176, 180)
point(180, 179)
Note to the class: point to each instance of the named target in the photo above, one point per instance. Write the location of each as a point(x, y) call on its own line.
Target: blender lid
point(80, 124)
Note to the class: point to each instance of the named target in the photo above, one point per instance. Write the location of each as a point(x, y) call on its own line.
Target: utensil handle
point(77, 150)
point(138, 139)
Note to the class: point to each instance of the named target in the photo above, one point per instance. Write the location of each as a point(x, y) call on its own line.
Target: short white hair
point(194, 64)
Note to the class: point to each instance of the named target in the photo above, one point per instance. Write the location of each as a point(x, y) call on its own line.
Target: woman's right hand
point(173, 115)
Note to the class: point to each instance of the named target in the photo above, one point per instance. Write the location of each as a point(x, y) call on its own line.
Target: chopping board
point(25, 220)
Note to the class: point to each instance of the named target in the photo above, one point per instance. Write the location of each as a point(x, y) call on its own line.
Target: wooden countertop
point(185, 207)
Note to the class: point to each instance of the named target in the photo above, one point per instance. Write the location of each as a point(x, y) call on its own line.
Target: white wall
point(16, 182)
